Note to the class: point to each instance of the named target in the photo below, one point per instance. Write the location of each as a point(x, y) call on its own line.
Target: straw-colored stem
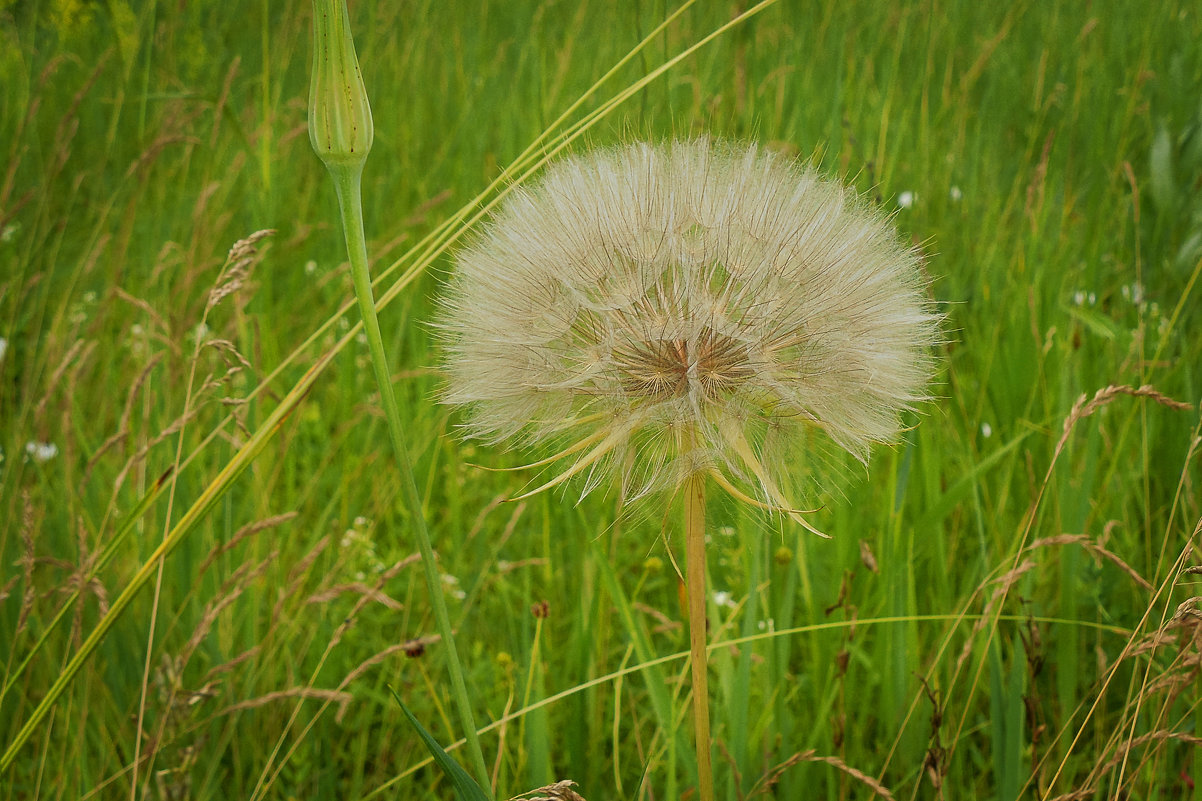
point(347, 182)
point(694, 520)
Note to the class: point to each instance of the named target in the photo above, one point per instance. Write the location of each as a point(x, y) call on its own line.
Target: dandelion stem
point(347, 182)
point(694, 519)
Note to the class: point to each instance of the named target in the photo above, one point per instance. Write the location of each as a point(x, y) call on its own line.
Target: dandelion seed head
point(662, 311)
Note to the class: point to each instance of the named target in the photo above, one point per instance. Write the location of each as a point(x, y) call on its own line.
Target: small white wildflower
point(1079, 298)
point(3, 348)
point(905, 200)
point(766, 625)
point(986, 430)
point(1093, 298)
point(452, 585)
point(41, 451)
point(136, 341)
point(362, 522)
point(955, 194)
point(361, 338)
point(310, 267)
point(9, 232)
point(1134, 293)
point(723, 598)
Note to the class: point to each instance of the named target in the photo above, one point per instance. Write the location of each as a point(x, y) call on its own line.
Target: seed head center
point(706, 365)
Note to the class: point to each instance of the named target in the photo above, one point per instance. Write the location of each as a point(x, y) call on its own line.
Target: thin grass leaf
point(466, 788)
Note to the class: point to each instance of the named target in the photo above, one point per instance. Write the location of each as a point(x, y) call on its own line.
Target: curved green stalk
point(347, 183)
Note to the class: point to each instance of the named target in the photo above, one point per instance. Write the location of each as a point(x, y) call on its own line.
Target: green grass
point(1054, 152)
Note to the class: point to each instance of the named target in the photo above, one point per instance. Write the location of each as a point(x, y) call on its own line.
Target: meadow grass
point(1004, 611)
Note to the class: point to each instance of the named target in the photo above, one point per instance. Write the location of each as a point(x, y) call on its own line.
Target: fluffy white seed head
point(656, 311)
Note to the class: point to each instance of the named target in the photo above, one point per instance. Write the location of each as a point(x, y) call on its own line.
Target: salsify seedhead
point(695, 307)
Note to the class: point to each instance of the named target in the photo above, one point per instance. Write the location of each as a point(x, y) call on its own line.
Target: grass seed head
point(659, 311)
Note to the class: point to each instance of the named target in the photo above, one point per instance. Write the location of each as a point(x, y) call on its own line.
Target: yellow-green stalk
point(694, 519)
point(341, 130)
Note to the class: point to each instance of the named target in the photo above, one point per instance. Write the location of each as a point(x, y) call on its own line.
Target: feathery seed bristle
point(663, 310)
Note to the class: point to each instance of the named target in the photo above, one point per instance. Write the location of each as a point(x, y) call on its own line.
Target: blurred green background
point(995, 617)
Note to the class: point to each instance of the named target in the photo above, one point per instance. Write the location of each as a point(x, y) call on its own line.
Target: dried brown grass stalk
point(765, 784)
point(233, 587)
point(174, 427)
point(1089, 544)
point(410, 648)
point(358, 587)
point(249, 530)
point(297, 576)
point(1156, 738)
point(223, 98)
point(1076, 795)
point(226, 667)
point(83, 578)
point(363, 600)
point(159, 321)
point(1082, 408)
point(560, 791)
point(79, 351)
point(996, 598)
point(1186, 616)
point(304, 693)
point(26, 561)
point(123, 429)
point(240, 265)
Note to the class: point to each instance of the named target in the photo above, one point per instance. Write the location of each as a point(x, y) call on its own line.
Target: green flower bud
point(340, 125)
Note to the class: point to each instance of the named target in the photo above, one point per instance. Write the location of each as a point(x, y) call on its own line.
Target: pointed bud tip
point(340, 124)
